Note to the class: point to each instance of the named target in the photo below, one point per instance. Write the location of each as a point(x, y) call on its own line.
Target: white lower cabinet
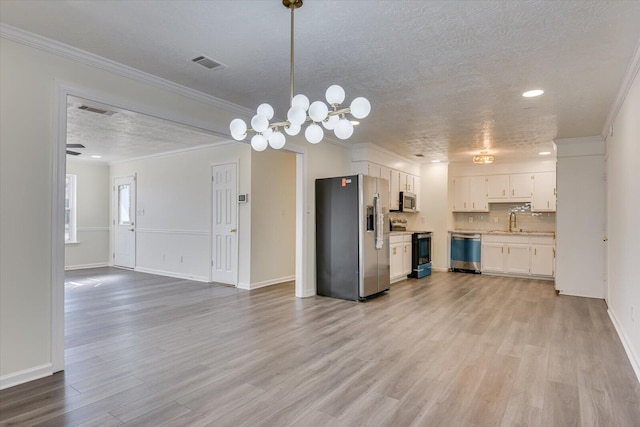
point(543, 256)
point(520, 255)
point(400, 256)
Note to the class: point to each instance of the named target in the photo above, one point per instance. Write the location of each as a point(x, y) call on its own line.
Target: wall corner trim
point(633, 358)
point(26, 375)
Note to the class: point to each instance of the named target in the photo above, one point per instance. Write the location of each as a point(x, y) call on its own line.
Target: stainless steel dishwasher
point(465, 252)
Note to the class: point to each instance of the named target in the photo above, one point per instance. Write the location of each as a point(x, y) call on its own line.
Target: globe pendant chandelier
point(332, 117)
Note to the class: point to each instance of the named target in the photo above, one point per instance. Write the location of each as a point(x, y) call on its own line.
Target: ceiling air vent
point(97, 110)
point(207, 62)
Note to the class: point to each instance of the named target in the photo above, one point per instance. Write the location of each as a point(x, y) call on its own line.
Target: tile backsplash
point(497, 219)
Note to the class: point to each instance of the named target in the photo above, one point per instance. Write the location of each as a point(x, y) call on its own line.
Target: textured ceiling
point(444, 77)
point(122, 134)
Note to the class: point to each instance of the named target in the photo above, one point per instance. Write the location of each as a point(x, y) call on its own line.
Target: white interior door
point(224, 254)
point(124, 242)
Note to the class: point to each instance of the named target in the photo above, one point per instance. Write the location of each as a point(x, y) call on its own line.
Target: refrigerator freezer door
point(337, 229)
point(368, 254)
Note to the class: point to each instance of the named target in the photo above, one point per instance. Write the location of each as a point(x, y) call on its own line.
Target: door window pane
point(124, 204)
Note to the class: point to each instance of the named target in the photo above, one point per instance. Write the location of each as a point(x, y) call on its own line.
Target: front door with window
point(124, 242)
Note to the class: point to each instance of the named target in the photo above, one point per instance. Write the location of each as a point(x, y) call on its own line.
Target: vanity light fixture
point(332, 117)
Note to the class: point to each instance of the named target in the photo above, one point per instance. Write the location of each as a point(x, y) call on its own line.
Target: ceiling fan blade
point(75, 146)
point(73, 153)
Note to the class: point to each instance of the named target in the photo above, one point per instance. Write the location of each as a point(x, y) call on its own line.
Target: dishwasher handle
point(465, 236)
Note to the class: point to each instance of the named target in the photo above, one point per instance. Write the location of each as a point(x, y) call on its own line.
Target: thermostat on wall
point(243, 198)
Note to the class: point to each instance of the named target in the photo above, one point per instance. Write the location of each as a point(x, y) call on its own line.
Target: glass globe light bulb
point(292, 130)
point(259, 142)
point(296, 116)
point(318, 111)
point(335, 95)
point(330, 124)
point(276, 140)
point(300, 101)
point(360, 108)
point(237, 127)
point(344, 129)
point(265, 110)
point(259, 123)
point(314, 133)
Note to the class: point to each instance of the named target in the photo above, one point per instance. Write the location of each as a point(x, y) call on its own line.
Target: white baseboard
point(440, 269)
point(172, 274)
point(250, 286)
point(633, 358)
point(26, 375)
point(83, 266)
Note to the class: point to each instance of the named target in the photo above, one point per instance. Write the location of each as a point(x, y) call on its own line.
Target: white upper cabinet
point(398, 180)
point(470, 194)
point(544, 192)
point(394, 191)
point(498, 186)
point(520, 186)
point(503, 188)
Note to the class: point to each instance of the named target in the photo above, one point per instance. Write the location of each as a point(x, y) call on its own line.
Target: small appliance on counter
point(421, 254)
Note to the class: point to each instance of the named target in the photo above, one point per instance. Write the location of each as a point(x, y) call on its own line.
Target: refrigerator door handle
point(379, 220)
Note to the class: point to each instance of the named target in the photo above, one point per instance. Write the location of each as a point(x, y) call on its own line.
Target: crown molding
point(64, 50)
point(629, 77)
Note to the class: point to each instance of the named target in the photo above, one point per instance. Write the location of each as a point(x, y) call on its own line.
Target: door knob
point(233, 230)
point(132, 229)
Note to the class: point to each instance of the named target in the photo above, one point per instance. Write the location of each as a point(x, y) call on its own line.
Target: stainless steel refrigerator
point(352, 236)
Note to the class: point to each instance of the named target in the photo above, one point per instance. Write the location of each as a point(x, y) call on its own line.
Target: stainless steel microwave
point(407, 202)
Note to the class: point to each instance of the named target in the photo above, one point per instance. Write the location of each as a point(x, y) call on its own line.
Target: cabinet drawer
point(396, 238)
point(407, 238)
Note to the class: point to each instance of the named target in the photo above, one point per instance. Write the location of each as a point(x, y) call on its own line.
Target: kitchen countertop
point(400, 233)
point(508, 233)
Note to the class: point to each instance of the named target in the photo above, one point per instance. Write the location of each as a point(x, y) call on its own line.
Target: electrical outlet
point(470, 219)
point(423, 219)
point(181, 259)
point(495, 219)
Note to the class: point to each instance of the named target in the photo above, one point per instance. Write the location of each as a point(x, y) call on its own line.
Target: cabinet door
point(374, 170)
point(395, 260)
point(402, 181)
point(410, 184)
point(394, 190)
point(478, 194)
point(460, 193)
point(544, 192)
point(493, 257)
point(518, 261)
point(498, 186)
point(406, 258)
point(520, 186)
point(542, 257)
point(416, 186)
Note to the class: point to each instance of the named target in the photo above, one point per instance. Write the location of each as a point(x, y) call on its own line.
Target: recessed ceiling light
point(532, 93)
point(435, 161)
point(355, 122)
point(544, 153)
point(419, 155)
point(96, 157)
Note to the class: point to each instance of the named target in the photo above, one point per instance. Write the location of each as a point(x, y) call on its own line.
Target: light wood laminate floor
point(448, 350)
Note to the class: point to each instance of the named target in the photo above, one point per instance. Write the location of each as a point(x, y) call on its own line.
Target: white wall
point(273, 217)
point(435, 214)
point(580, 217)
point(92, 201)
point(623, 207)
point(174, 191)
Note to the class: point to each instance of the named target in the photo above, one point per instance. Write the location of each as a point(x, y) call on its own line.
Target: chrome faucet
point(512, 221)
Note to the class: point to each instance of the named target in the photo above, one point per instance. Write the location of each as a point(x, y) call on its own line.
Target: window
point(70, 209)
